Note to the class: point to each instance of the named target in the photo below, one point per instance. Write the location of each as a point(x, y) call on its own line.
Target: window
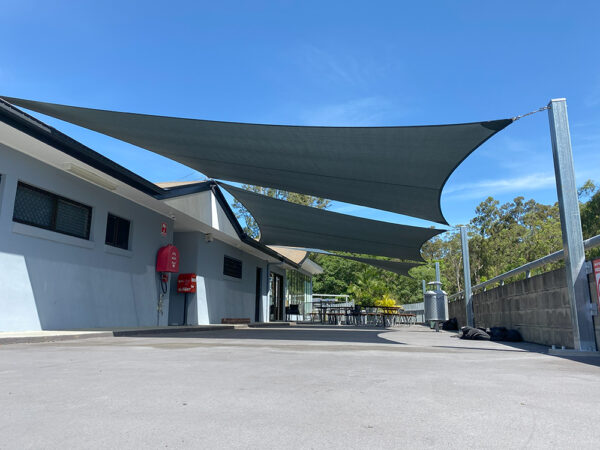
point(232, 267)
point(117, 232)
point(43, 209)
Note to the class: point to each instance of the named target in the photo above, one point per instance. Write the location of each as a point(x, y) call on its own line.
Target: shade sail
point(399, 267)
point(399, 169)
point(292, 225)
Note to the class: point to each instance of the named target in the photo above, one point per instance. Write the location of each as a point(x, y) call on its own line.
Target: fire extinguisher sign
point(163, 229)
point(596, 264)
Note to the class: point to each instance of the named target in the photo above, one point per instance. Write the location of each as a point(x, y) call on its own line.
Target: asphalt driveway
point(295, 387)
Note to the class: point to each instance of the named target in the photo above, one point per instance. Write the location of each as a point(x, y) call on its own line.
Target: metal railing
point(418, 309)
point(592, 242)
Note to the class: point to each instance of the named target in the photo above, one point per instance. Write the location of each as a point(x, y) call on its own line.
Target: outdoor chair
point(292, 310)
point(355, 315)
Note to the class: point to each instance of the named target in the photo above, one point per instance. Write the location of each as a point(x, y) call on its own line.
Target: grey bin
point(436, 304)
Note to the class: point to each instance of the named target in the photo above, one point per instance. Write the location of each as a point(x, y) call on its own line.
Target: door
point(276, 288)
point(258, 294)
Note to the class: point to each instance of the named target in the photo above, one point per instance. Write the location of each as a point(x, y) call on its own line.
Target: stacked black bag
point(487, 334)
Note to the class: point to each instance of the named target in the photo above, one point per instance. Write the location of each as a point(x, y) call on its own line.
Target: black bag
point(450, 325)
point(513, 336)
point(498, 333)
point(473, 334)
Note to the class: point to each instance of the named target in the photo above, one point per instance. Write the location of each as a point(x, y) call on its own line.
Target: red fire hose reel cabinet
point(186, 283)
point(167, 259)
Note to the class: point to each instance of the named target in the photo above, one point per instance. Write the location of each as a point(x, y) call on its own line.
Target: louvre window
point(117, 232)
point(43, 209)
point(232, 267)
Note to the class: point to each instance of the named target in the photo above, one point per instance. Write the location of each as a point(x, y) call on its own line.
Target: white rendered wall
point(218, 296)
point(53, 281)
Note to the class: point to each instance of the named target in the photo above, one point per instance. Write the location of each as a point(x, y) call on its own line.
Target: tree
point(501, 237)
point(590, 214)
point(251, 227)
point(367, 286)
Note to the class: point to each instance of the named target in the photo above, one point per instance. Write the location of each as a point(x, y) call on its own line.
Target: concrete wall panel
point(538, 307)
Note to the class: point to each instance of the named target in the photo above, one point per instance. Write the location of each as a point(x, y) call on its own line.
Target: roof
point(401, 169)
point(50, 136)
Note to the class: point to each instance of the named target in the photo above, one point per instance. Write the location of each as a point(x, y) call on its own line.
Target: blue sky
point(324, 63)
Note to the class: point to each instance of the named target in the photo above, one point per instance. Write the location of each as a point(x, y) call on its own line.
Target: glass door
point(276, 289)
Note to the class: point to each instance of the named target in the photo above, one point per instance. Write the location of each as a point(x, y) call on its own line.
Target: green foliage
point(251, 227)
point(590, 214)
point(367, 284)
point(501, 238)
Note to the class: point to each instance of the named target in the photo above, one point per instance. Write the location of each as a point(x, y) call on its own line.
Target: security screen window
point(117, 232)
point(232, 267)
point(42, 209)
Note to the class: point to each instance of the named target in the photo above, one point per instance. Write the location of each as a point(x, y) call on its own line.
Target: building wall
point(538, 307)
point(218, 296)
point(53, 281)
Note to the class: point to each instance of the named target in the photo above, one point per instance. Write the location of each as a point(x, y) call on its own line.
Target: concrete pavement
point(295, 387)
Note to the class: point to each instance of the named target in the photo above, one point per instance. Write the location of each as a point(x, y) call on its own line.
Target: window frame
point(55, 199)
point(119, 218)
point(225, 257)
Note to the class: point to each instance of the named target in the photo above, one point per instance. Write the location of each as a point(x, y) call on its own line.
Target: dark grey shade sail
point(399, 267)
point(292, 225)
point(399, 169)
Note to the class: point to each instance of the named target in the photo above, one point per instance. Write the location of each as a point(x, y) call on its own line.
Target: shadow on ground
point(529, 347)
point(352, 335)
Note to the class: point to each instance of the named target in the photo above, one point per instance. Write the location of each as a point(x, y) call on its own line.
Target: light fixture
point(89, 176)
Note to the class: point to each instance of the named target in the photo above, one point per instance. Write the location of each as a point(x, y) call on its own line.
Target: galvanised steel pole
point(577, 281)
point(464, 239)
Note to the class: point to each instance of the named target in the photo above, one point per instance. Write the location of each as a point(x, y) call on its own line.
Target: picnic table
point(384, 316)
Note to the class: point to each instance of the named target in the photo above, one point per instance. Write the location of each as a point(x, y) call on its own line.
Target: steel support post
point(437, 272)
point(464, 239)
point(577, 281)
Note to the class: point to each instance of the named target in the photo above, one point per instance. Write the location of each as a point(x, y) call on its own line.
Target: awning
point(399, 169)
point(399, 267)
point(293, 225)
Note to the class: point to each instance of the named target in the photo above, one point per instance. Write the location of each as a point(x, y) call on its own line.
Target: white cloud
point(343, 69)
point(593, 97)
point(530, 182)
point(368, 111)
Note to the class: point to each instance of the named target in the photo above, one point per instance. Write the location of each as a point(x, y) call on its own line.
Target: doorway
point(258, 299)
point(276, 288)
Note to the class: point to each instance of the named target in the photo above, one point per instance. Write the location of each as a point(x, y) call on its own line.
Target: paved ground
point(297, 387)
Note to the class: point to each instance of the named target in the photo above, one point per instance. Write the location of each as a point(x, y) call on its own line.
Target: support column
point(464, 239)
point(577, 283)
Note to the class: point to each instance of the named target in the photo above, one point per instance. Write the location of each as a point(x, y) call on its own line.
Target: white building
point(79, 236)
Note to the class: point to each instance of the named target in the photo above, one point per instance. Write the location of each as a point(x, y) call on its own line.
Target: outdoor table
point(387, 312)
point(334, 311)
point(407, 318)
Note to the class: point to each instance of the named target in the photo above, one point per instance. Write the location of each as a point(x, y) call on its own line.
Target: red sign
point(167, 259)
point(596, 264)
point(186, 282)
point(163, 229)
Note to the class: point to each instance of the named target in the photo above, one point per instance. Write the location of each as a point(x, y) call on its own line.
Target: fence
point(588, 244)
point(418, 309)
